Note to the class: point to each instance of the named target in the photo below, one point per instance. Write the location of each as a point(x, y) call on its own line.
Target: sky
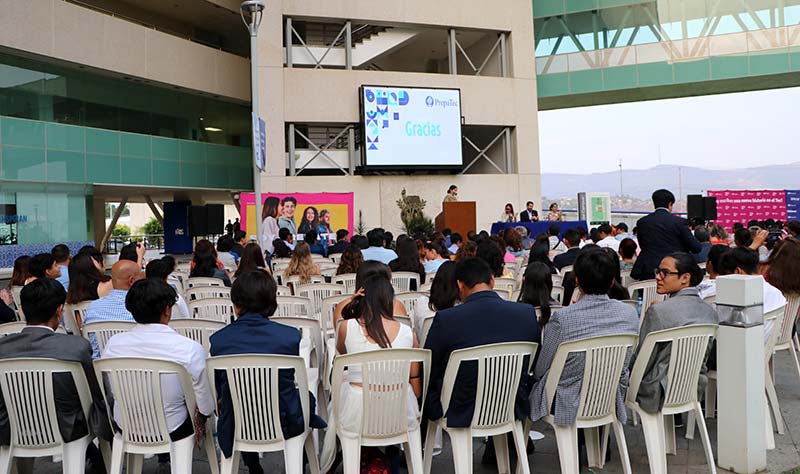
point(725, 131)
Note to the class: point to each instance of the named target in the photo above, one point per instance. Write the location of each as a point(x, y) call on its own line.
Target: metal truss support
point(113, 223)
point(451, 51)
point(345, 33)
point(290, 142)
point(320, 151)
point(156, 211)
point(505, 135)
point(498, 48)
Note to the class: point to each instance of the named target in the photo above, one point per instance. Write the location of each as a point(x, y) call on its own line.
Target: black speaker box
point(710, 208)
point(215, 219)
point(694, 207)
point(198, 221)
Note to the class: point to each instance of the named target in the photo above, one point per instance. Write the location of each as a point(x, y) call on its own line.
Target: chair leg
point(604, 434)
point(312, 454)
point(73, 457)
point(180, 455)
point(593, 447)
point(461, 440)
point(413, 449)
point(430, 436)
point(135, 462)
point(622, 444)
point(351, 455)
point(230, 465)
point(711, 398)
point(210, 447)
point(105, 450)
point(701, 426)
point(293, 454)
point(669, 434)
point(772, 399)
point(5, 460)
point(521, 444)
point(793, 350)
point(567, 441)
point(501, 452)
point(117, 454)
point(770, 435)
point(690, 422)
point(654, 437)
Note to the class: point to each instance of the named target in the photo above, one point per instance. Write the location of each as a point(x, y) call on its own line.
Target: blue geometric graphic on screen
point(429, 101)
point(396, 116)
point(381, 111)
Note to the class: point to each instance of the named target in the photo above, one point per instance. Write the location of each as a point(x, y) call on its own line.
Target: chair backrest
point(284, 291)
point(409, 300)
point(198, 330)
point(253, 382)
point(217, 309)
point(504, 293)
point(16, 291)
point(135, 385)
point(553, 309)
point(280, 263)
point(626, 279)
point(105, 330)
point(506, 283)
point(426, 328)
point(401, 281)
point(429, 277)
point(317, 292)
point(558, 280)
point(293, 282)
point(203, 292)
point(604, 361)
point(311, 329)
point(203, 281)
point(184, 267)
point(328, 272)
point(777, 317)
point(649, 294)
point(12, 328)
point(293, 306)
point(406, 320)
point(689, 345)
point(385, 389)
point(73, 316)
point(565, 269)
point(348, 280)
point(557, 293)
point(789, 319)
point(335, 257)
point(328, 307)
point(499, 369)
point(27, 389)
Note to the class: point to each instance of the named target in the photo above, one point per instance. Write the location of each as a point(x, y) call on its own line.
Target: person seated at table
point(554, 214)
point(508, 214)
point(529, 214)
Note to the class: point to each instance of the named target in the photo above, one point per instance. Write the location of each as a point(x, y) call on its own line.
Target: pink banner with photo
point(742, 206)
point(338, 207)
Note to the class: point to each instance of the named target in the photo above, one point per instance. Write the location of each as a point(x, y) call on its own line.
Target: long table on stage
point(535, 228)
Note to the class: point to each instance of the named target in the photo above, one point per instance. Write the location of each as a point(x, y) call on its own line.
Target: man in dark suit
point(341, 242)
point(254, 301)
point(483, 318)
point(572, 239)
point(529, 214)
point(43, 302)
point(660, 234)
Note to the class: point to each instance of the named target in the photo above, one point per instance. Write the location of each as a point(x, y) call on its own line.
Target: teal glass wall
point(51, 213)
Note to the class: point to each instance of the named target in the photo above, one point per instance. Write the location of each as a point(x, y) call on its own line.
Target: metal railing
point(151, 241)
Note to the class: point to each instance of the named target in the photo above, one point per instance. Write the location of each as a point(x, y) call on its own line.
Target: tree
point(152, 227)
point(121, 230)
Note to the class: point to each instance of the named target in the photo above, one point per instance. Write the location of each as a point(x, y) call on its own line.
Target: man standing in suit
point(660, 234)
point(43, 302)
point(572, 239)
point(529, 214)
point(483, 318)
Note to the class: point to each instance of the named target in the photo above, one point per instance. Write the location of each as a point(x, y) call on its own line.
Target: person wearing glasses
point(677, 276)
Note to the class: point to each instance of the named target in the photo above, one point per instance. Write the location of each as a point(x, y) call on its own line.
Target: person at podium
point(452, 194)
point(508, 214)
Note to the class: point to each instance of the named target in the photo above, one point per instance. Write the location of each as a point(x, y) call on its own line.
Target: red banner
point(742, 206)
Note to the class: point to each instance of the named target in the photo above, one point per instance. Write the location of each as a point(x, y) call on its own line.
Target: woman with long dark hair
point(86, 281)
point(540, 253)
point(21, 271)
point(205, 265)
point(269, 222)
point(351, 260)
point(368, 325)
point(492, 254)
point(537, 286)
point(435, 255)
point(617, 291)
point(310, 220)
point(253, 259)
point(408, 260)
point(444, 294)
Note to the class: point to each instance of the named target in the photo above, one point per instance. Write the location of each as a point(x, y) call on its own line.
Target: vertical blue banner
point(793, 205)
point(259, 142)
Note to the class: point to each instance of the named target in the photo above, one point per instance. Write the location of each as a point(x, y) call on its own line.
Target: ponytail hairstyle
point(377, 303)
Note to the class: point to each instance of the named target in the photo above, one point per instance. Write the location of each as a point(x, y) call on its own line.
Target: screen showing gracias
point(406, 126)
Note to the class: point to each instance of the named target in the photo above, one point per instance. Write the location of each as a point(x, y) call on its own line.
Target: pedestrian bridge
point(591, 52)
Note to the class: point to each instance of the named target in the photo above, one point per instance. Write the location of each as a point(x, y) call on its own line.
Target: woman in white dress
point(269, 226)
point(367, 325)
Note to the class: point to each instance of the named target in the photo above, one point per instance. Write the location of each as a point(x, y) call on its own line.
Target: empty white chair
point(409, 300)
point(203, 281)
point(558, 280)
point(280, 263)
point(102, 331)
point(785, 341)
point(688, 349)
point(649, 294)
point(294, 306)
point(348, 280)
point(135, 383)
point(597, 406)
point(317, 292)
point(401, 281)
point(385, 398)
point(284, 291)
point(27, 389)
point(216, 309)
point(253, 382)
point(499, 370)
point(203, 292)
point(73, 316)
point(198, 330)
point(12, 328)
point(327, 271)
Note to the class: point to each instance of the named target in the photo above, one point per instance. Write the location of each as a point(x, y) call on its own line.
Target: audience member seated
point(281, 249)
point(556, 244)
point(134, 252)
point(468, 249)
point(607, 239)
point(310, 237)
point(513, 241)
point(150, 301)
point(527, 242)
point(366, 271)
point(61, 254)
point(742, 238)
point(537, 286)
point(456, 241)
point(87, 280)
point(341, 242)
point(388, 240)
point(660, 234)
point(708, 288)
point(492, 254)
point(572, 241)
point(540, 253)
point(204, 246)
point(368, 325)
point(677, 276)
point(285, 235)
point(112, 307)
point(224, 248)
point(254, 301)
point(160, 269)
point(7, 315)
point(627, 252)
point(351, 260)
point(239, 242)
point(702, 236)
point(718, 235)
point(408, 260)
point(21, 272)
point(554, 214)
point(205, 265)
point(435, 255)
point(376, 250)
point(482, 318)
point(252, 260)
point(361, 241)
point(617, 291)
point(301, 264)
point(621, 232)
point(781, 268)
point(43, 265)
point(443, 295)
point(43, 303)
point(593, 315)
point(793, 228)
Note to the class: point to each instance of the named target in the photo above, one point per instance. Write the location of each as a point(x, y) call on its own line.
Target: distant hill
point(641, 183)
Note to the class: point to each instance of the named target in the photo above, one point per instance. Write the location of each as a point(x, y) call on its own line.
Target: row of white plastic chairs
point(136, 387)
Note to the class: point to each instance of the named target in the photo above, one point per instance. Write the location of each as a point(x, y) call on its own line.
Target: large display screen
point(410, 127)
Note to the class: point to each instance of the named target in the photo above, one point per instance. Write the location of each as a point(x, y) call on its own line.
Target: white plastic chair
point(216, 309)
point(73, 316)
point(27, 388)
point(409, 300)
point(198, 330)
point(499, 370)
point(509, 284)
point(184, 267)
point(405, 320)
point(785, 341)
point(504, 293)
point(193, 282)
point(557, 293)
point(401, 281)
point(15, 297)
point(426, 287)
point(102, 331)
point(565, 269)
point(12, 328)
point(315, 364)
point(348, 280)
point(626, 279)
point(253, 381)
point(284, 291)
point(385, 397)
point(317, 292)
point(426, 328)
point(204, 292)
point(293, 282)
point(280, 262)
point(597, 405)
point(328, 308)
point(649, 295)
point(293, 306)
point(335, 257)
point(135, 385)
point(689, 345)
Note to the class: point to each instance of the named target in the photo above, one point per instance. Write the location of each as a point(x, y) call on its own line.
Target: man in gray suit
point(43, 302)
point(593, 315)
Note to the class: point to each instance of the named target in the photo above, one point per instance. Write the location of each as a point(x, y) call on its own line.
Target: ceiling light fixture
point(212, 129)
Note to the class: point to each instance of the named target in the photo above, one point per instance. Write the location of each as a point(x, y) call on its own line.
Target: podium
point(458, 217)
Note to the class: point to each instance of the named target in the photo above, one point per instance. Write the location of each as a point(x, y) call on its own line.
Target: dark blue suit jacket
point(484, 318)
point(253, 334)
point(567, 258)
point(660, 234)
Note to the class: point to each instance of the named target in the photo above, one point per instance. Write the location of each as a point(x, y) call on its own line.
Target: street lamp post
point(252, 12)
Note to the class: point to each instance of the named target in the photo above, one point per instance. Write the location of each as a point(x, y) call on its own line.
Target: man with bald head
point(124, 274)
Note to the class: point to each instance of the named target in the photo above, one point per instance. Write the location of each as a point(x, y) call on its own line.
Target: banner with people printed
point(323, 212)
point(745, 205)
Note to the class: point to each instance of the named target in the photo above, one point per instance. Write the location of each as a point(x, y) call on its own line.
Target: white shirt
point(181, 309)
point(609, 242)
point(227, 259)
point(158, 341)
point(379, 254)
point(269, 232)
point(453, 249)
point(556, 244)
point(707, 288)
